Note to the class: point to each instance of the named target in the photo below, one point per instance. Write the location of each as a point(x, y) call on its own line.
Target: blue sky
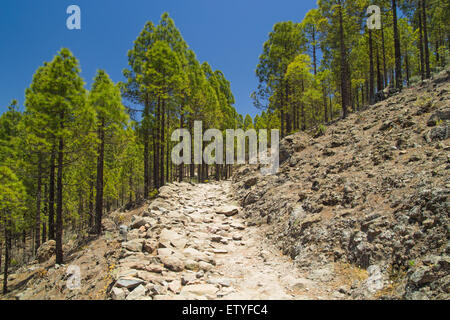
point(229, 34)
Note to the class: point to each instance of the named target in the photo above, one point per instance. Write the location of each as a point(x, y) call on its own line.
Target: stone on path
point(200, 290)
point(169, 236)
point(118, 294)
point(172, 263)
point(128, 283)
point(133, 245)
point(175, 286)
point(137, 293)
point(228, 210)
point(220, 251)
point(188, 278)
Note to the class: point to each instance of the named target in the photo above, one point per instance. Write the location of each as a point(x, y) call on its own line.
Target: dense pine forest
point(331, 63)
point(75, 154)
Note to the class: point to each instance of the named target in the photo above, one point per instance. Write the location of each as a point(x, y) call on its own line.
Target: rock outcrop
point(373, 192)
point(46, 251)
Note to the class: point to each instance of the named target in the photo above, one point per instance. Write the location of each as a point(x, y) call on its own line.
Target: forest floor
point(190, 243)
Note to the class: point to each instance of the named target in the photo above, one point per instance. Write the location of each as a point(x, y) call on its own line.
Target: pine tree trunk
point(407, 66)
point(163, 114)
point(99, 186)
point(314, 51)
point(146, 163)
point(181, 166)
point(302, 107)
point(331, 109)
point(155, 156)
point(191, 166)
point(156, 152)
point(280, 99)
point(385, 76)
point(51, 198)
point(146, 148)
point(44, 227)
point(357, 99)
point(59, 197)
point(425, 40)
point(218, 170)
point(44, 224)
point(349, 83)
point(436, 51)
point(38, 205)
point(91, 202)
point(422, 59)
point(362, 93)
point(379, 79)
point(367, 92)
point(371, 70)
point(7, 254)
point(24, 243)
point(343, 53)
point(398, 54)
point(1, 253)
point(131, 185)
point(288, 118)
point(167, 162)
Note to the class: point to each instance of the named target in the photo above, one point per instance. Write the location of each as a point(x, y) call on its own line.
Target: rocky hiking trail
point(209, 253)
point(358, 212)
point(189, 243)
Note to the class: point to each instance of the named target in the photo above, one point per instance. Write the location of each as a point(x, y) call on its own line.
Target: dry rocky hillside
point(360, 212)
point(372, 192)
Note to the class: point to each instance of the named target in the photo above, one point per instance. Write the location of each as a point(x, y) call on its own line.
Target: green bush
point(153, 193)
point(320, 131)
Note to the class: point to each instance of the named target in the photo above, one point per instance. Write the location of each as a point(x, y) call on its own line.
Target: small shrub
point(320, 131)
point(153, 193)
point(42, 273)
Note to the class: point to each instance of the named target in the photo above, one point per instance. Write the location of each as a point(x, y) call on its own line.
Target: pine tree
point(67, 116)
point(285, 42)
point(106, 100)
point(12, 191)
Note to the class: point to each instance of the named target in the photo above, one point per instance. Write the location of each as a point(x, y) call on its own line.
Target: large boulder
point(46, 251)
